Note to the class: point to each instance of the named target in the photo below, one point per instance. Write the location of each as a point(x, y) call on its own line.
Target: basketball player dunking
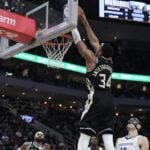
point(37, 144)
point(98, 112)
point(133, 141)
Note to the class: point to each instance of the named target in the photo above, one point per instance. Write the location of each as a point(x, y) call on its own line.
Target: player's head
point(134, 123)
point(39, 137)
point(106, 50)
point(94, 141)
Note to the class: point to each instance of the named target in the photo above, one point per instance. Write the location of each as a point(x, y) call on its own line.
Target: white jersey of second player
point(126, 143)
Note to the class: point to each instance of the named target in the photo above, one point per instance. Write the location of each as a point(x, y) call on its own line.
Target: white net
point(57, 48)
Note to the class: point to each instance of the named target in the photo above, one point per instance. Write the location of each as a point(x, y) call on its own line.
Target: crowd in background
point(14, 130)
point(34, 72)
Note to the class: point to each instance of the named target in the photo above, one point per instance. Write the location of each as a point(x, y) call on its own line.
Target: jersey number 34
point(103, 82)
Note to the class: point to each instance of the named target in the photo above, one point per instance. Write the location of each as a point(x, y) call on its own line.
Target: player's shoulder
point(142, 137)
point(27, 144)
point(143, 140)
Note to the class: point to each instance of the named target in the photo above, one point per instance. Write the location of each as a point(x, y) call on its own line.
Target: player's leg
point(108, 141)
point(106, 124)
point(86, 126)
point(83, 142)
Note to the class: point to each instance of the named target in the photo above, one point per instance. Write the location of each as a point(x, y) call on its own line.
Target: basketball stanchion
point(57, 48)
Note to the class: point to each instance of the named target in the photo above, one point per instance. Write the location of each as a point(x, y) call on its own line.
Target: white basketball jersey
point(126, 143)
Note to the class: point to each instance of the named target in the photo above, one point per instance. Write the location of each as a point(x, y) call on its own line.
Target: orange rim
point(63, 44)
point(66, 36)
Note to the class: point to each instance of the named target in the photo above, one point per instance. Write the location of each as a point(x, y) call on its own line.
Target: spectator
point(37, 143)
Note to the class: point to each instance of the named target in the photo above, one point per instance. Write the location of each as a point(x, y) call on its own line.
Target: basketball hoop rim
point(67, 36)
point(57, 48)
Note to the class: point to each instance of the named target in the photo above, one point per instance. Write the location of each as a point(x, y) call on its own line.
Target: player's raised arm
point(87, 54)
point(91, 35)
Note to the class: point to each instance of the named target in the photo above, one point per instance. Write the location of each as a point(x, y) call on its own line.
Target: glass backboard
point(53, 17)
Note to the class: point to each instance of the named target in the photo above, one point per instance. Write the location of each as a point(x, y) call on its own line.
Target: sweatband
point(76, 35)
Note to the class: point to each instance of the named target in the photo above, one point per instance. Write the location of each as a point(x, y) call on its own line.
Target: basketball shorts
point(97, 117)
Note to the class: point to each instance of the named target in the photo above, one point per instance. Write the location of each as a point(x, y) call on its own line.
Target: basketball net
point(57, 48)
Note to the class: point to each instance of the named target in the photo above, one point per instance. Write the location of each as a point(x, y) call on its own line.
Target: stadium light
point(80, 69)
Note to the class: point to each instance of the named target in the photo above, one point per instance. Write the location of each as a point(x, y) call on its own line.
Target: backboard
point(53, 17)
